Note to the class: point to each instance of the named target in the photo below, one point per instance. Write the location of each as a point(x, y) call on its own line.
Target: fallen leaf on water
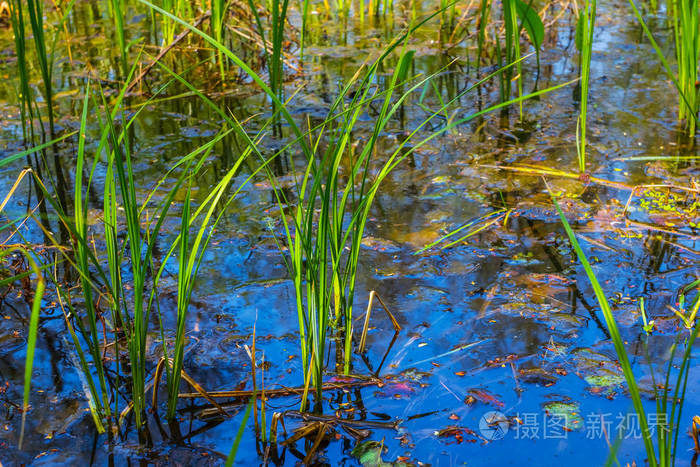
point(484, 397)
point(458, 433)
point(396, 390)
point(538, 376)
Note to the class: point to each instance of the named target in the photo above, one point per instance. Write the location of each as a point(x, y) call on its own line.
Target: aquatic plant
point(304, 27)
point(44, 56)
point(24, 93)
point(230, 459)
point(33, 326)
point(124, 276)
point(338, 164)
point(273, 54)
point(118, 11)
point(447, 18)
point(218, 17)
point(325, 234)
point(509, 53)
point(178, 8)
point(300, 139)
point(669, 398)
point(685, 18)
point(483, 21)
point(374, 7)
point(584, 42)
point(329, 217)
point(190, 256)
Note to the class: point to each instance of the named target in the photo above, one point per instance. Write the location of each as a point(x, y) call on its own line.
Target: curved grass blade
point(615, 335)
point(31, 337)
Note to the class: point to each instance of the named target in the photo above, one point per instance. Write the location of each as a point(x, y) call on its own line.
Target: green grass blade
point(615, 335)
point(31, 338)
point(234, 448)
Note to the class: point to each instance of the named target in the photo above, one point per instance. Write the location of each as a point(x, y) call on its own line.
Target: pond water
point(505, 321)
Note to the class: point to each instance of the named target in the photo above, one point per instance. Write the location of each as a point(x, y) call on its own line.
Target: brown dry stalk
point(281, 392)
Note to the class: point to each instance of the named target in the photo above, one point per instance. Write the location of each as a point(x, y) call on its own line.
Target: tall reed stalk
point(218, 16)
point(685, 16)
point(447, 18)
point(342, 8)
point(24, 92)
point(45, 58)
point(510, 53)
point(686, 29)
point(304, 25)
point(274, 59)
point(118, 10)
point(484, 16)
point(584, 41)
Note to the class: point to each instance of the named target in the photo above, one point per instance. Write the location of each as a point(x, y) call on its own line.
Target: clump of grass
point(45, 58)
point(190, 256)
point(685, 17)
point(510, 54)
point(333, 198)
point(23, 74)
point(118, 11)
point(123, 277)
point(180, 8)
point(277, 18)
point(329, 218)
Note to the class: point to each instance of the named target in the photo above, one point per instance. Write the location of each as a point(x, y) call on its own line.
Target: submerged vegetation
point(148, 144)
